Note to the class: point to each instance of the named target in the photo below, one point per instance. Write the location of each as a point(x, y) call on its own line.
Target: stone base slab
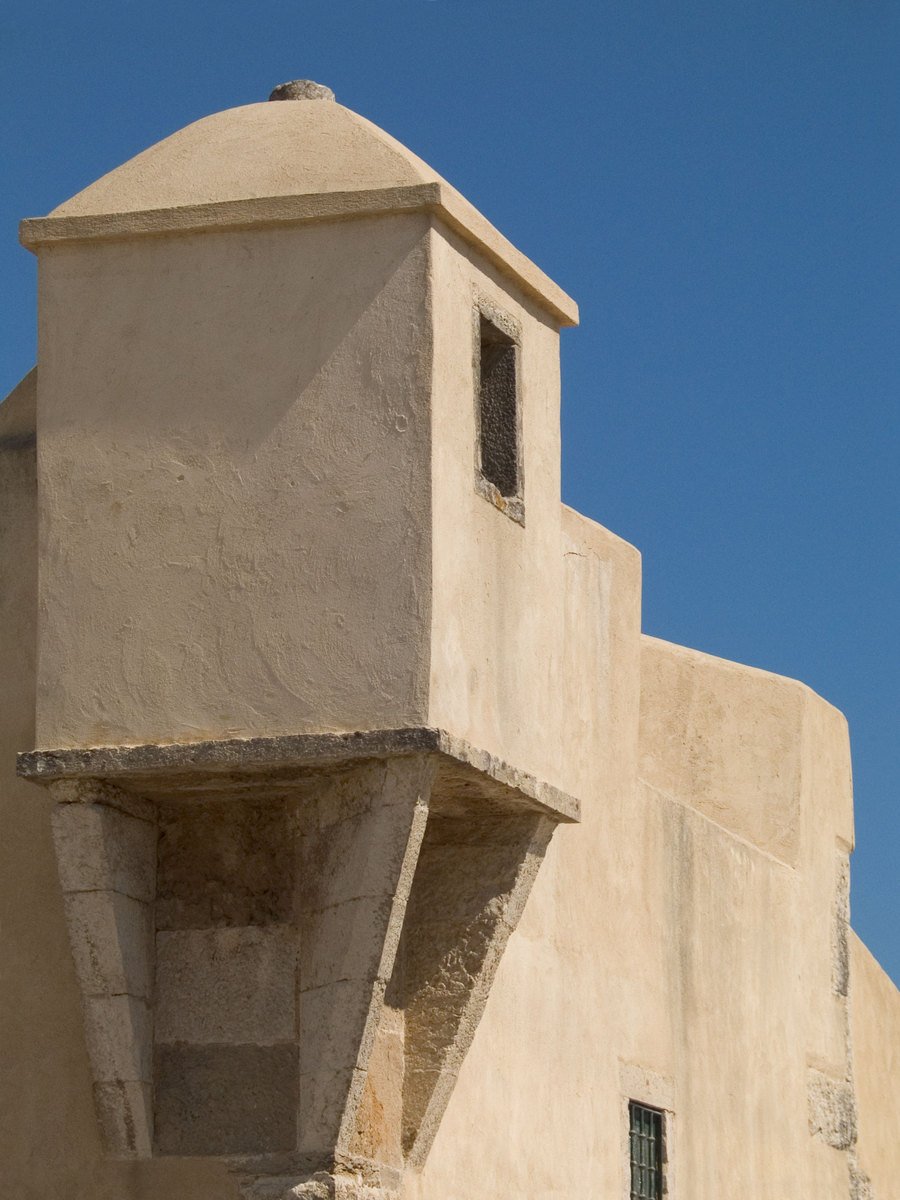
point(277, 766)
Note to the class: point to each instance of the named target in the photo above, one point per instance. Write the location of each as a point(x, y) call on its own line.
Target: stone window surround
point(485, 309)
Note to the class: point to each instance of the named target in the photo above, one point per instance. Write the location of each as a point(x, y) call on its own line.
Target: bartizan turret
point(301, 638)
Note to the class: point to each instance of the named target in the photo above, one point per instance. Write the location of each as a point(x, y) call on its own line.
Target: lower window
point(646, 1134)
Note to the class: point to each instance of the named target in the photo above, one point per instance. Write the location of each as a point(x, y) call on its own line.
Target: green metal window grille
point(646, 1149)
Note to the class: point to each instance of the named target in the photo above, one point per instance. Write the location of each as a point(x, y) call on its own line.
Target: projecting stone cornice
point(436, 198)
point(274, 765)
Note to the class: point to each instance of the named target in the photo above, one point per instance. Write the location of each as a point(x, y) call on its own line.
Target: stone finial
point(301, 89)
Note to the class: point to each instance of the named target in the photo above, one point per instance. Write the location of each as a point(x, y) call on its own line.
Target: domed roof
point(284, 148)
point(302, 158)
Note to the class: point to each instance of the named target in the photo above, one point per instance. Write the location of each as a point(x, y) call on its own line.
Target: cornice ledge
point(264, 756)
point(437, 198)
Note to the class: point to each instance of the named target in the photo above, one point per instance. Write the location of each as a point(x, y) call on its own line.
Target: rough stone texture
point(841, 930)
point(472, 881)
point(326, 1015)
point(379, 1119)
point(224, 863)
point(301, 89)
point(860, 1184)
point(382, 808)
point(226, 985)
point(322, 1185)
point(125, 1116)
point(347, 941)
point(101, 849)
point(225, 1099)
point(88, 789)
point(875, 1034)
point(832, 1110)
point(119, 1033)
point(281, 767)
point(105, 845)
point(112, 943)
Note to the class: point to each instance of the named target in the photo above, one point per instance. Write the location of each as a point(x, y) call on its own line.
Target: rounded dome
point(289, 148)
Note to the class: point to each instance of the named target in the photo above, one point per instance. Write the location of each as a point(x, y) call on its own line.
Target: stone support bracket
point(106, 854)
point(285, 945)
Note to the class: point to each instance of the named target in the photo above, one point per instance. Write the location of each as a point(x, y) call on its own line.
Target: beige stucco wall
point(497, 671)
point(875, 1033)
point(726, 737)
point(234, 471)
point(663, 935)
point(49, 1143)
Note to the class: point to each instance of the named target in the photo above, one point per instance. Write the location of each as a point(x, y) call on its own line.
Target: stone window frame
point(645, 1086)
point(486, 309)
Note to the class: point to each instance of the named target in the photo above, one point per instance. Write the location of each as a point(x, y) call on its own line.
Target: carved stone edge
point(260, 754)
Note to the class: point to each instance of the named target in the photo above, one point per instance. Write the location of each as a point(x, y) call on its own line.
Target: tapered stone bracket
point(106, 853)
point(474, 876)
point(356, 866)
point(285, 945)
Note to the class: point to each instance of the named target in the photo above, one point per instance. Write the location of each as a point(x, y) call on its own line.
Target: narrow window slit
point(498, 409)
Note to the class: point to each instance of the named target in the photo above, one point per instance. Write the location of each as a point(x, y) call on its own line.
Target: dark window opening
point(498, 410)
point(646, 1151)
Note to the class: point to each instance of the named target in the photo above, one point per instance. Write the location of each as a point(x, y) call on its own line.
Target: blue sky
point(717, 184)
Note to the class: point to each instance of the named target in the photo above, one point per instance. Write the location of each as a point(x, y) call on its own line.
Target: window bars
point(646, 1151)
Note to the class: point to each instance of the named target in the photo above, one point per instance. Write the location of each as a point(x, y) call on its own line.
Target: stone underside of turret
point(284, 946)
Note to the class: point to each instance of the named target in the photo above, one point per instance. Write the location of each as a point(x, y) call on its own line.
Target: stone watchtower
point(301, 644)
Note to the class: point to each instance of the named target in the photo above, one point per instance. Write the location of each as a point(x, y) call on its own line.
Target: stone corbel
point(285, 945)
point(106, 854)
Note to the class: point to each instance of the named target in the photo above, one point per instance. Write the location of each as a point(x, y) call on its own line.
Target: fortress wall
point(683, 943)
point(768, 759)
point(647, 965)
point(725, 739)
point(875, 1035)
point(826, 843)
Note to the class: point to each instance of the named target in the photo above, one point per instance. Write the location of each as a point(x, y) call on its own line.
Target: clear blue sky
point(718, 185)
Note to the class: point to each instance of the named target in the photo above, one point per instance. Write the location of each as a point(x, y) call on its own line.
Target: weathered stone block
point(354, 940)
point(101, 849)
point(326, 1101)
point(111, 937)
point(119, 1037)
point(322, 1185)
point(224, 862)
point(362, 855)
point(226, 985)
point(832, 1110)
point(125, 1116)
point(225, 1099)
point(90, 789)
point(332, 1022)
point(346, 795)
point(377, 1135)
